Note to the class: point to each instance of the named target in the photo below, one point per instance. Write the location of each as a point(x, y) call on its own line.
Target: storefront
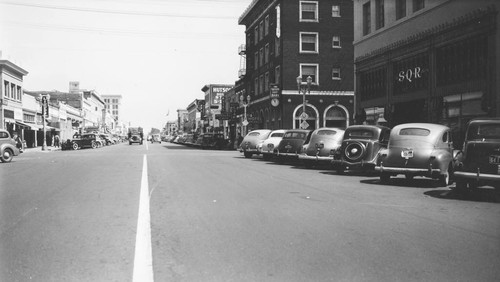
point(443, 75)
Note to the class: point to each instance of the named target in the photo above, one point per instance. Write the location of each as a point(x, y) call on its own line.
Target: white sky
point(157, 54)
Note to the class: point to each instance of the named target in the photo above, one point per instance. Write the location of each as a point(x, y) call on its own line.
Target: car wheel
point(445, 179)
point(385, 177)
point(247, 155)
point(74, 146)
point(7, 156)
point(94, 145)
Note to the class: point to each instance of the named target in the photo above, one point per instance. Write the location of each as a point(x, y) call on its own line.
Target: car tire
point(7, 156)
point(74, 146)
point(445, 179)
point(385, 177)
point(94, 145)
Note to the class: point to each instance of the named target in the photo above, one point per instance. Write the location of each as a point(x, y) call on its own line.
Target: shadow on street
point(488, 195)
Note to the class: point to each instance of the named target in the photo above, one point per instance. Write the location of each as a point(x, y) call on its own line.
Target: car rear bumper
point(315, 158)
point(406, 170)
point(476, 176)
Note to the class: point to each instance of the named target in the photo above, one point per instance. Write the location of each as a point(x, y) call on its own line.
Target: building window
point(373, 84)
point(256, 86)
point(256, 35)
point(277, 75)
point(336, 73)
point(261, 30)
point(309, 70)
point(19, 93)
point(366, 18)
point(336, 41)
point(261, 84)
point(266, 81)
point(309, 42)
point(277, 46)
point(308, 11)
point(400, 9)
point(6, 88)
point(418, 5)
point(266, 25)
point(256, 60)
point(13, 93)
point(261, 56)
point(266, 54)
point(335, 11)
point(379, 14)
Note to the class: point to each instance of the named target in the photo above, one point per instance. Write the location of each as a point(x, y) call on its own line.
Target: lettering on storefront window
point(410, 74)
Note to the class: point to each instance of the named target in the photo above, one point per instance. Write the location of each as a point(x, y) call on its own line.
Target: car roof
point(376, 127)
point(485, 119)
point(435, 129)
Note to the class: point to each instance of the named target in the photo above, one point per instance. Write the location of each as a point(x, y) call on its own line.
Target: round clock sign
point(275, 102)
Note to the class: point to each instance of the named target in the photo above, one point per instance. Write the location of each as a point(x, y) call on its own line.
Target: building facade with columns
point(427, 61)
point(290, 39)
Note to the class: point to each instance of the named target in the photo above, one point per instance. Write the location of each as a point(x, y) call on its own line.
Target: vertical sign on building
point(45, 106)
point(278, 25)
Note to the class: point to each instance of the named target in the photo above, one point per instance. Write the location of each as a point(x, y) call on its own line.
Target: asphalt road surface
point(167, 212)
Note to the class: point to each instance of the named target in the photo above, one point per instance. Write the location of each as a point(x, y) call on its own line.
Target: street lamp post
point(245, 105)
point(303, 91)
point(45, 111)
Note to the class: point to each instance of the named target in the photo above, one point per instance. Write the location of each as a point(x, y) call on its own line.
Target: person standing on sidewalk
point(56, 141)
point(19, 142)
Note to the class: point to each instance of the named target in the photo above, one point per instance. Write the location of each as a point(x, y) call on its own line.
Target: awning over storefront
point(463, 97)
point(22, 124)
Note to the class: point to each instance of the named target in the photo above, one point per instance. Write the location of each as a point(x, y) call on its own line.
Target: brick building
point(287, 39)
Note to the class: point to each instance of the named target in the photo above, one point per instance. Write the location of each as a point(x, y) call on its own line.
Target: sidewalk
point(39, 149)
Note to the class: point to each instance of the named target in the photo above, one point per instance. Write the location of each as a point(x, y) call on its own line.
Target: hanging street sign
point(304, 125)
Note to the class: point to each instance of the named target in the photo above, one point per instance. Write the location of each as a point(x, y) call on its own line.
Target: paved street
point(216, 216)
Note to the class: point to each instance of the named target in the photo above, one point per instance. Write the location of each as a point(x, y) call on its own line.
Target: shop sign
point(223, 116)
point(410, 74)
point(253, 119)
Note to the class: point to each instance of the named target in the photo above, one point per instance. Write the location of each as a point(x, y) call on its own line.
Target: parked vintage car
point(249, 144)
point(8, 148)
point(213, 141)
point(290, 146)
point(107, 140)
point(87, 140)
point(480, 163)
point(266, 148)
point(418, 149)
point(321, 147)
point(360, 147)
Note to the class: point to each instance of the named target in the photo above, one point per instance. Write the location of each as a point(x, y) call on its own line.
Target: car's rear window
point(253, 134)
point(295, 135)
point(277, 134)
point(326, 132)
point(360, 134)
point(484, 131)
point(415, 131)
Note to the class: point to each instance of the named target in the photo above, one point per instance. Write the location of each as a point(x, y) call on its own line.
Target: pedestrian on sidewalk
point(19, 142)
point(56, 141)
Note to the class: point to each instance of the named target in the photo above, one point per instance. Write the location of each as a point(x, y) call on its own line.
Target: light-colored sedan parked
point(266, 148)
point(322, 146)
point(249, 144)
point(418, 149)
point(8, 148)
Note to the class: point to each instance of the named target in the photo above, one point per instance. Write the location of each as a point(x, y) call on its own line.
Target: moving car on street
point(155, 138)
point(480, 164)
point(249, 144)
point(266, 148)
point(8, 148)
point(135, 135)
point(418, 149)
point(87, 140)
point(291, 144)
point(320, 149)
point(360, 147)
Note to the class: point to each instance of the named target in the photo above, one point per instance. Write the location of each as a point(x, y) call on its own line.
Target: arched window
point(311, 119)
point(336, 116)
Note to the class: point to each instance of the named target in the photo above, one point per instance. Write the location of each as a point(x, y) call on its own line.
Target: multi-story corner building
point(11, 97)
point(182, 121)
point(298, 38)
point(427, 61)
point(113, 105)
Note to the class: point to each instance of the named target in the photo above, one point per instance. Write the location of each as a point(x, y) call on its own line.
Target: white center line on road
point(143, 259)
